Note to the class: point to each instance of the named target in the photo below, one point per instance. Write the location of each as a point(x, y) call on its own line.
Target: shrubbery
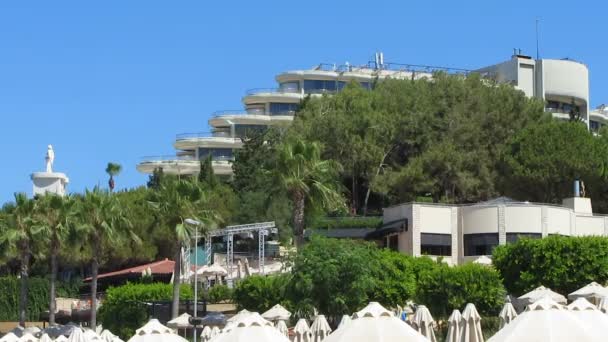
point(445, 288)
point(563, 264)
point(124, 308)
point(38, 296)
point(345, 222)
point(219, 293)
point(260, 293)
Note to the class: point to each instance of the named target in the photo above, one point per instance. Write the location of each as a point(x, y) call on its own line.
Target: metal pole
point(195, 276)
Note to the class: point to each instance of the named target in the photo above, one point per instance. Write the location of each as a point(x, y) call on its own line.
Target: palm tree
point(18, 235)
point(101, 219)
point(55, 215)
point(174, 201)
point(113, 169)
point(308, 180)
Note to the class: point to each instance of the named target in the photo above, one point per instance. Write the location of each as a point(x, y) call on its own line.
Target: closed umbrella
point(471, 325)
point(507, 314)
point(239, 269)
point(277, 312)
point(588, 313)
point(539, 293)
point(320, 328)
point(603, 305)
point(302, 331)
point(344, 321)
point(215, 331)
point(10, 337)
point(423, 322)
point(206, 334)
point(252, 328)
point(282, 328)
point(247, 269)
point(375, 323)
point(593, 292)
point(153, 331)
point(454, 324)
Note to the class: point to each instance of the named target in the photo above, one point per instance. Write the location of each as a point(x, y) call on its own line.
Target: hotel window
point(513, 237)
point(290, 87)
point(217, 154)
point(277, 108)
point(436, 244)
point(479, 244)
point(319, 86)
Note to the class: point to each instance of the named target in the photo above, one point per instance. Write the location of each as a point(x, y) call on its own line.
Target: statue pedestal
point(53, 182)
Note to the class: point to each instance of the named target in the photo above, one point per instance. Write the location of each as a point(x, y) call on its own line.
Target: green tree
point(259, 293)
point(19, 233)
point(174, 201)
point(56, 215)
point(308, 180)
point(206, 174)
point(563, 264)
point(113, 169)
point(542, 161)
point(101, 220)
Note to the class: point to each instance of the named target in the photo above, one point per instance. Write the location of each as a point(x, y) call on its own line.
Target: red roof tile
point(157, 267)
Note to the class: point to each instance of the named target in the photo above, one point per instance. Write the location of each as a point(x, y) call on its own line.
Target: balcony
point(220, 139)
point(183, 165)
point(258, 91)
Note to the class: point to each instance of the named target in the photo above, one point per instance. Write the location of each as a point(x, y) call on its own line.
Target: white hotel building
point(562, 84)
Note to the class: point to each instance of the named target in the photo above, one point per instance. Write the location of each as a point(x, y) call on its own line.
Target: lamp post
point(195, 321)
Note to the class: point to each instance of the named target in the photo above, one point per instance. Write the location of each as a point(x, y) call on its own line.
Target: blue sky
point(116, 80)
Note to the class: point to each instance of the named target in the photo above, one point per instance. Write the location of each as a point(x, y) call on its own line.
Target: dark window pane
point(436, 244)
point(277, 108)
point(216, 153)
point(479, 244)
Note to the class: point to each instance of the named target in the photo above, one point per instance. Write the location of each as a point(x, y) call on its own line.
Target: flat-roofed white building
point(463, 233)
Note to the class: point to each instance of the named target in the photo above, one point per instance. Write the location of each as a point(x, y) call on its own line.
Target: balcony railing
point(166, 159)
point(229, 112)
point(257, 91)
point(198, 135)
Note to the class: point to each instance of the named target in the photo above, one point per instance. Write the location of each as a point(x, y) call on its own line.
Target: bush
point(260, 293)
point(219, 293)
point(124, 308)
point(563, 264)
point(445, 288)
point(38, 296)
point(346, 222)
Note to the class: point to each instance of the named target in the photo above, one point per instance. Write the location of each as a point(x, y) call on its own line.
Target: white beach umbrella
point(10, 337)
point(344, 321)
point(91, 335)
point(212, 271)
point(215, 331)
point(252, 328)
point(239, 269)
point(45, 338)
point(180, 322)
point(206, 334)
point(277, 312)
point(302, 331)
point(547, 321)
point(375, 323)
point(240, 315)
point(319, 328)
point(32, 330)
point(247, 269)
point(61, 338)
point(153, 331)
point(107, 336)
point(77, 335)
point(282, 328)
point(454, 323)
point(27, 337)
point(603, 305)
point(539, 293)
point(483, 260)
point(424, 323)
point(593, 292)
point(507, 314)
point(588, 313)
point(471, 325)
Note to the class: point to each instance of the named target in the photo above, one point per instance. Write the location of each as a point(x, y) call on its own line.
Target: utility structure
point(262, 228)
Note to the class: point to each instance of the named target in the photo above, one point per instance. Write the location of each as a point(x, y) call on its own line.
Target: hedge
point(38, 296)
point(219, 294)
point(123, 310)
point(260, 293)
point(345, 222)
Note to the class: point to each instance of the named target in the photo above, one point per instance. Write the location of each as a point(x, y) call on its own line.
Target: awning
point(388, 228)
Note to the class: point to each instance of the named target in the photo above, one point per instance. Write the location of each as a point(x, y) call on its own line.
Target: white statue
point(50, 158)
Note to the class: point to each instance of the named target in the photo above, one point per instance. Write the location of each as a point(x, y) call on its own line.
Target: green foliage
point(395, 276)
point(206, 175)
point(38, 296)
point(219, 294)
point(124, 308)
point(260, 293)
point(445, 288)
point(345, 222)
point(563, 264)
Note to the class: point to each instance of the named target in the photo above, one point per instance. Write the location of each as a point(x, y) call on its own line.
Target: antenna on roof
point(537, 38)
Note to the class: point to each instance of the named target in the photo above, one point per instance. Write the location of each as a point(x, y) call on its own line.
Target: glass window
point(290, 87)
point(392, 242)
point(513, 237)
point(480, 244)
point(277, 108)
point(242, 131)
point(216, 153)
point(365, 85)
point(436, 244)
point(258, 108)
point(341, 85)
point(319, 86)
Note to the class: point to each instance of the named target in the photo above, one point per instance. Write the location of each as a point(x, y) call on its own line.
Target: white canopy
point(424, 323)
point(153, 331)
point(539, 293)
point(212, 271)
point(277, 312)
point(180, 322)
point(507, 314)
point(302, 331)
point(252, 328)
point(588, 313)
point(593, 292)
point(91, 335)
point(603, 305)
point(10, 337)
point(31, 330)
point(45, 338)
point(282, 328)
point(206, 334)
point(61, 338)
point(483, 260)
point(375, 323)
point(77, 335)
point(215, 331)
point(240, 315)
point(454, 323)
point(320, 329)
point(548, 321)
point(27, 337)
point(107, 336)
point(471, 325)
point(344, 321)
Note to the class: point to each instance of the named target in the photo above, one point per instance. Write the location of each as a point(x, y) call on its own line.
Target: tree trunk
point(94, 272)
point(24, 272)
point(369, 186)
point(52, 294)
point(176, 281)
point(298, 219)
